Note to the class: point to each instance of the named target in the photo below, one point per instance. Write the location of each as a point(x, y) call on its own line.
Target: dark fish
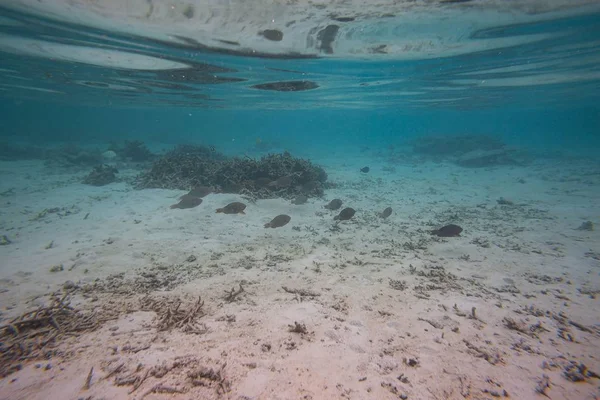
point(448, 231)
point(233, 208)
point(200, 191)
point(301, 199)
point(345, 214)
point(334, 204)
point(504, 202)
point(386, 213)
point(212, 149)
point(278, 221)
point(187, 201)
point(283, 182)
point(365, 169)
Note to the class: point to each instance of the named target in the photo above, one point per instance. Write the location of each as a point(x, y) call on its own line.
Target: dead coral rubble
point(36, 334)
point(170, 314)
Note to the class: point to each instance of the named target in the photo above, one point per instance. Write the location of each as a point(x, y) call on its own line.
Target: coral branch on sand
point(33, 335)
point(170, 314)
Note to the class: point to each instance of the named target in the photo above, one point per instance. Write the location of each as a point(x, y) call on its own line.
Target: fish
point(334, 204)
point(199, 191)
point(345, 214)
point(187, 201)
point(278, 221)
point(233, 208)
point(283, 182)
point(386, 213)
point(301, 199)
point(448, 231)
point(365, 169)
point(504, 202)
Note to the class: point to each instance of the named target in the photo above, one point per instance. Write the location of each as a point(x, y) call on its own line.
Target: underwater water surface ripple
point(543, 59)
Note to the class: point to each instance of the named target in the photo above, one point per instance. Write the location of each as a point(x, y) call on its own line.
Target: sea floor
point(191, 304)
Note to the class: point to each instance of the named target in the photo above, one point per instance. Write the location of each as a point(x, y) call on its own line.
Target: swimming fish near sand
point(187, 201)
point(200, 191)
point(278, 221)
point(233, 208)
point(345, 214)
point(448, 231)
point(386, 213)
point(334, 204)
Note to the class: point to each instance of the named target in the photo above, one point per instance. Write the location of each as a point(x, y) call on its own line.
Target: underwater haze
point(299, 199)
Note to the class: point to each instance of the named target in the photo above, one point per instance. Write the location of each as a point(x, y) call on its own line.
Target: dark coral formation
point(473, 151)
point(274, 175)
point(182, 168)
point(101, 175)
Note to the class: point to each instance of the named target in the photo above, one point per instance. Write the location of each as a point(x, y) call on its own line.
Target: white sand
point(362, 331)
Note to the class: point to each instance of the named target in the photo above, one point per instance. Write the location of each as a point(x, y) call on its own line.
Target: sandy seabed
point(190, 304)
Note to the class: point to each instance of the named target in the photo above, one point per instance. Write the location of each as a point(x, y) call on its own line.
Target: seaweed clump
point(273, 175)
point(101, 175)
